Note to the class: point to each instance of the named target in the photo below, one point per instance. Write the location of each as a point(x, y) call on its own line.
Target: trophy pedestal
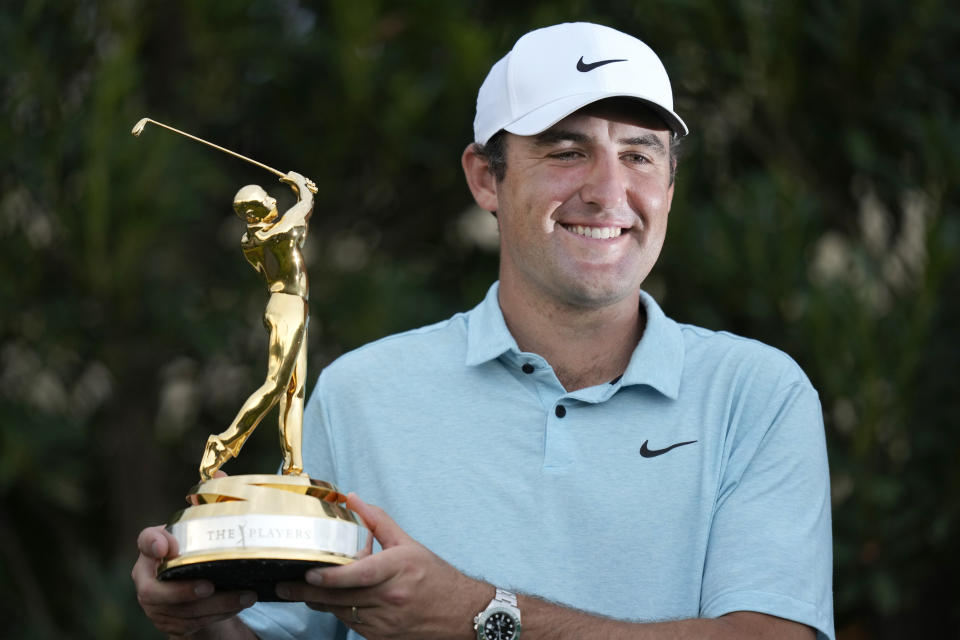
point(250, 532)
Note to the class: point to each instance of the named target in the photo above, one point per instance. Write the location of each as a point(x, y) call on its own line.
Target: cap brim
point(544, 117)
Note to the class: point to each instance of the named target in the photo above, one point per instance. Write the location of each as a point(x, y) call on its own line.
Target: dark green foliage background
point(816, 209)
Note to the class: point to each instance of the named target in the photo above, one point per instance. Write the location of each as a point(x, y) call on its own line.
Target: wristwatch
point(500, 620)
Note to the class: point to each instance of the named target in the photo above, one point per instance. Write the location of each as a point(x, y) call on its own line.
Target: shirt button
point(527, 368)
point(560, 411)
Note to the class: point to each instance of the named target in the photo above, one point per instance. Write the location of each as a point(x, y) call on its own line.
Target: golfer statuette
point(252, 531)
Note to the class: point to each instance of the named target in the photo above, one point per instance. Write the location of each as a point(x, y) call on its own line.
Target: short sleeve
point(769, 547)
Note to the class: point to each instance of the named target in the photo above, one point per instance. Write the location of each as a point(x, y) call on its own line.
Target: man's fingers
point(144, 572)
point(155, 544)
point(382, 526)
point(355, 619)
point(152, 592)
point(175, 623)
point(174, 592)
point(179, 606)
point(292, 177)
point(224, 604)
point(364, 573)
point(368, 570)
point(320, 597)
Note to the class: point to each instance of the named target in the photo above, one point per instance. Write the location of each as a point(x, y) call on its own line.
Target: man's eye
point(635, 158)
point(565, 155)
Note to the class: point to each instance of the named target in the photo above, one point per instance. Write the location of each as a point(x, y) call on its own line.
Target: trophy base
point(245, 574)
point(251, 532)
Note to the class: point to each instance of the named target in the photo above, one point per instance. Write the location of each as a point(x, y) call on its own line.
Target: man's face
point(259, 208)
point(583, 206)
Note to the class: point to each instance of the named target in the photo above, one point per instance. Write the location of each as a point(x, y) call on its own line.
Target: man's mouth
point(598, 233)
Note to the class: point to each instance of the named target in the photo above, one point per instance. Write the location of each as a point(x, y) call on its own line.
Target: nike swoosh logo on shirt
point(653, 453)
point(583, 67)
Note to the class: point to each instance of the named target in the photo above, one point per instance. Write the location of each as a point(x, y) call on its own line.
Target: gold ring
point(356, 617)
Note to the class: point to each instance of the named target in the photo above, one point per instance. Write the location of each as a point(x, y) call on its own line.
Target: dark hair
point(495, 153)
point(676, 150)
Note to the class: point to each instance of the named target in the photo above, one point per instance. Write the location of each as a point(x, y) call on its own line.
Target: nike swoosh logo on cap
point(583, 67)
point(653, 453)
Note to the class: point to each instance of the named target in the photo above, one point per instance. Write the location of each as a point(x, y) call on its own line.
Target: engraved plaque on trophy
point(252, 531)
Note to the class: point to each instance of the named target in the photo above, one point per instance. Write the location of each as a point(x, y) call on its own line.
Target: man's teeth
point(600, 233)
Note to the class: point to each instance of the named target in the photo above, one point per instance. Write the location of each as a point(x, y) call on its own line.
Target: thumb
point(387, 532)
point(157, 543)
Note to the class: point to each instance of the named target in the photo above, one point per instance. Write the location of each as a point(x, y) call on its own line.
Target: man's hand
point(404, 591)
point(295, 179)
point(182, 607)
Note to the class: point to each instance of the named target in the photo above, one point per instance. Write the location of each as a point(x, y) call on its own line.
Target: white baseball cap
point(552, 72)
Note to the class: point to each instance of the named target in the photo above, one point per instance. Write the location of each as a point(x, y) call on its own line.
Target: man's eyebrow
point(646, 140)
point(553, 136)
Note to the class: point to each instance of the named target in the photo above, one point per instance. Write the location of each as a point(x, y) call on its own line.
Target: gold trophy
point(252, 531)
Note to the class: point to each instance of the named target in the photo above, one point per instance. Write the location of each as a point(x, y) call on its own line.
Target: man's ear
point(480, 178)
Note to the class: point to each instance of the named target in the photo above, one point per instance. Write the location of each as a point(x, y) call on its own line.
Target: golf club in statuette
point(251, 531)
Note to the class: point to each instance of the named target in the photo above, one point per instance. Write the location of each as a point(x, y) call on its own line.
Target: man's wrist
point(500, 619)
point(232, 628)
point(475, 599)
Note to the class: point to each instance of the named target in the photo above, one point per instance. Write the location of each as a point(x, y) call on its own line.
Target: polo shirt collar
point(487, 333)
point(657, 360)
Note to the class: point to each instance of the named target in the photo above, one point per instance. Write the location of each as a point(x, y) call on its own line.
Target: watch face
point(500, 626)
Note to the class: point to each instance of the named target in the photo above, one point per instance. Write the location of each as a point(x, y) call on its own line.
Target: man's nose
point(604, 185)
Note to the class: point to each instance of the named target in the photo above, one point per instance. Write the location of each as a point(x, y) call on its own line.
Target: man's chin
point(594, 297)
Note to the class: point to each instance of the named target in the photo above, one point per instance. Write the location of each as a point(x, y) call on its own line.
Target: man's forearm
point(410, 592)
point(542, 620)
point(229, 629)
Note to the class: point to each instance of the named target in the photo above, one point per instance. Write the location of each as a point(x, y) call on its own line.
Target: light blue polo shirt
point(694, 485)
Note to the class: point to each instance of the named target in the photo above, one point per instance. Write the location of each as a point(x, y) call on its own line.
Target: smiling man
point(564, 460)
point(582, 210)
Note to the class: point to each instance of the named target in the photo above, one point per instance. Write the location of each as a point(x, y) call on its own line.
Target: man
point(272, 247)
point(563, 461)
